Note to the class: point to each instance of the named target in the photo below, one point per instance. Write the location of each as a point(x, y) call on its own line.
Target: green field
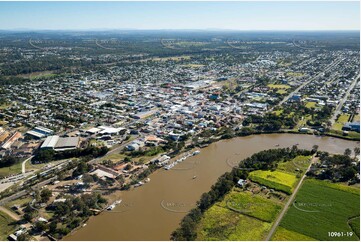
point(320, 208)
point(311, 104)
point(300, 162)
point(14, 169)
point(342, 119)
point(251, 205)
point(5, 228)
point(278, 86)
point(275, 179)
point(283, 234)
point(355, 225)
point(220, 223)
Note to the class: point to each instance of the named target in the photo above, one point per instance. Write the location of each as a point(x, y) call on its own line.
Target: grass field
point(21, 202)
point(275, 179)
point(300, 162)
point(351, 134)
point(219, 223)
point(278, 86)
point(319, 209)
point(340, 121)
point(281, 91)
point(251, 205)
point(355, 225)
point(310, 104)
point(283, 234)
point(14, 169)
point(5, 227)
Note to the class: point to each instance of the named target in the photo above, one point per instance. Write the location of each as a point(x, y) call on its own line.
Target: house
point(241, 182)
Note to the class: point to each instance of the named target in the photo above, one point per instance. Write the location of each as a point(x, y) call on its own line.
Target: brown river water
point(154, 210)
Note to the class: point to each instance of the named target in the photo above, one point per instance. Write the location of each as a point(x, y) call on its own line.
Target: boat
point(196, 152)
point(277, 145)
point(117, 202)
point(84, 225)
point(147, 180)
point(194, 177)
point(111, 207)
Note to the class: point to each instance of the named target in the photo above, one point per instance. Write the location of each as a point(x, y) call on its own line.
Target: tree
point(347, 152)
point(45, 195)
point(314, 148)
point(357, 151)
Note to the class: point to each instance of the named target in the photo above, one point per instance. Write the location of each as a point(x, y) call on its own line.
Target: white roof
point(36, 134)
point(50, 142)
point(93, 130)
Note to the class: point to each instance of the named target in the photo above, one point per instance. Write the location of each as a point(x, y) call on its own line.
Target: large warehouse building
point(59, 144)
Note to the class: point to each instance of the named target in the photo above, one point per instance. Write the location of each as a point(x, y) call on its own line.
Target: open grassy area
point(311, 105)
point(278, 86)
point(319, 209)
point(219, 223)
point(20, 201)
point(294, 74)
point(342, 119)
point(5, 226)
point(356, 118)
point(351, 134)
point(14, 169)
point(283, 234)
point(300, 162)
point(355, 225)
point(114, 157)
point(278, 112)
point(275, 179)
point(281, 91)
point(251, 205)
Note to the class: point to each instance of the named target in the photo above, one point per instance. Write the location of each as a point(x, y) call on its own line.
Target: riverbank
point(141, 208)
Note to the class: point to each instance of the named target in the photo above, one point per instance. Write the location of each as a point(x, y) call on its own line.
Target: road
point(343, 100)
point(10, 213)
point(335, 62)
point(24, 192)
point(24, 163)
point(290, 200)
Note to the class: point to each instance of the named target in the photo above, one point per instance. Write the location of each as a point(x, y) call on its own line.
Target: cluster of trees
point(7, 161)
point(337, 168)
point(44, 156)
point(264, 160)
point(269, 122)
point(72, 212)
point(12, 80)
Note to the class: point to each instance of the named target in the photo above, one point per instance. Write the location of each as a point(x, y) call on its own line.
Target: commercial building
point(59, 144)
point(40, 132)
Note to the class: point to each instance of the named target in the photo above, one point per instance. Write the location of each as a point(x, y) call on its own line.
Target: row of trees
point(44, 156)
point(7, 161)
point(264, 160)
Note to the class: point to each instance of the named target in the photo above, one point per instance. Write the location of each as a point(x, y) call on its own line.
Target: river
point(153, 211)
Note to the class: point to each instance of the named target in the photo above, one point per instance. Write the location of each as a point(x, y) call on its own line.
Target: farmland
point(283, 234)
point(219, 223)
point(275, 179)
point(251, 205)
point(325, 207)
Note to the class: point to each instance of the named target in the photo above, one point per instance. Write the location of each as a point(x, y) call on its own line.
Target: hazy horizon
point(224, 16)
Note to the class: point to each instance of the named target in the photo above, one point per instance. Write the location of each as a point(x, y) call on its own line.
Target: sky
point(180, 15)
